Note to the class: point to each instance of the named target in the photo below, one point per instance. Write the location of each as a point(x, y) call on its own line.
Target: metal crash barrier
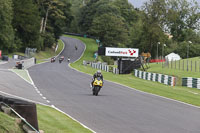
point(26, 111)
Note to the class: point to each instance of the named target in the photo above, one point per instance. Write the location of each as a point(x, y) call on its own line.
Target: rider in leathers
point(97, 74)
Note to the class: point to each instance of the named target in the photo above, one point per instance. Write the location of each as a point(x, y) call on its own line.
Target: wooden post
point(195, 66)
point(183, 65)
point(171, 64)
point(199, 66)
point(187, 64)
point(175, 64)
point(179, 65)
point(191, 65)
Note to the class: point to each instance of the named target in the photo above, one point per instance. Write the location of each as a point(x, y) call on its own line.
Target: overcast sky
point(139, 3)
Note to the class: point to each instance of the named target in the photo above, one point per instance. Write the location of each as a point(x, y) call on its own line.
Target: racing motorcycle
point(97, 85)
point(61, 59)
point(53, 59)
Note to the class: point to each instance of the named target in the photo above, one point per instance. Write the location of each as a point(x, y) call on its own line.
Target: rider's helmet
point(98, 72)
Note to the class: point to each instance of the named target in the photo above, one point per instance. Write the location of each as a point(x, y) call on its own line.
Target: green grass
point(52, 121)
point(22, 73)
point(8, 124)
point(154, 67)
point(179, 93)
point(48, 53)
point(179, 73)
point(42, 56)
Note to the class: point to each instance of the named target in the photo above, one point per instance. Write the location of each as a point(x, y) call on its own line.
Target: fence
point(191, 82)
point(165, 79)
point(102, 66)
point(28, 63)
point(184, 65)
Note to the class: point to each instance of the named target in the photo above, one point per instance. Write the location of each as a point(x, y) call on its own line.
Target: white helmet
point(98, 72)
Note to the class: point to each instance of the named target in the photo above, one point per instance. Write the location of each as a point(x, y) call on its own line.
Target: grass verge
point(42, 56)
point(23, 74)
point(8, 124)
point(175, 71)
point(184, 94)
point(52, 121)
point(48, 53)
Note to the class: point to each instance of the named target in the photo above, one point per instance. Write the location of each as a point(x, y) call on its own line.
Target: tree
point(87, 14)
point(127, 11)
point(110, 29)
point(182, 15)
point(26, 23)
point(6, 29)
point(56, 17)
point(148, 30)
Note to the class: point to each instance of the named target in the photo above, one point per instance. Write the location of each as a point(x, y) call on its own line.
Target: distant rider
point(96, 75)
point(68, 59)
point(76, 48)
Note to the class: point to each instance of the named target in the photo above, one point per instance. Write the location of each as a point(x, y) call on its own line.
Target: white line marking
point(142, 91)
point(73, 118)
point(1, 63)
point(193, 92)
point(20, 76)
point(22, 98)
point(52, 106)
point(48, 101)
point(30, 78)
point(41, 94)
point(51, 57)
point(44, 98)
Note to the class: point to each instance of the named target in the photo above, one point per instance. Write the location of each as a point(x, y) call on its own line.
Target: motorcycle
point(61, 59)
point(97, 85)
point(53, 59)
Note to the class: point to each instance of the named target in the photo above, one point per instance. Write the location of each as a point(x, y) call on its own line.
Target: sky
point(139, 3)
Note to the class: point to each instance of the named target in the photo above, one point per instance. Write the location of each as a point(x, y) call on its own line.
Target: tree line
point(32, 23)
point(116, 23)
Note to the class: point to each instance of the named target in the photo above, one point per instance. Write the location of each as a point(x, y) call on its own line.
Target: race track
point(117, 109)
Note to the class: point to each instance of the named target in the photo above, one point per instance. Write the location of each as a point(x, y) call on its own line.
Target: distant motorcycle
point(53, 59)
point(97, 85)
point(61, 59)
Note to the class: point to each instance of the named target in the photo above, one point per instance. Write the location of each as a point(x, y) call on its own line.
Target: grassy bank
point(42, 56)
point(171, 70)
point(188, 95)
point(48, 53)
point(49, 119)
point(52, 121)
point(8, 124)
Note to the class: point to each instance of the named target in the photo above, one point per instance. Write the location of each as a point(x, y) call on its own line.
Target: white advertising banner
point(125, 52)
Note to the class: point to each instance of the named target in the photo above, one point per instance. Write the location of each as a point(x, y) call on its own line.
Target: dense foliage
point(32, 23)
point(116, 23)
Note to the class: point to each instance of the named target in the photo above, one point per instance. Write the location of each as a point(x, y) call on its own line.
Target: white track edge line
point(143, 91)
point(52, 56)
point(15, 96)
point(73, 119)
point(20, 76)
point(139, 90)
point(30, 77)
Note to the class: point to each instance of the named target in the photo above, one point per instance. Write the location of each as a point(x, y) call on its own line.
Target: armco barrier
point(165, 79)
point(191, 82)
point(25, 110)
point(102, 66)
point(28, 63)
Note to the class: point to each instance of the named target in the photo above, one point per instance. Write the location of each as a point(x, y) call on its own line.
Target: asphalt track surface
point(117, 109)
point(11, 85)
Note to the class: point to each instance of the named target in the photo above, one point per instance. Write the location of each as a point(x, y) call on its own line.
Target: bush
point(108, 59)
